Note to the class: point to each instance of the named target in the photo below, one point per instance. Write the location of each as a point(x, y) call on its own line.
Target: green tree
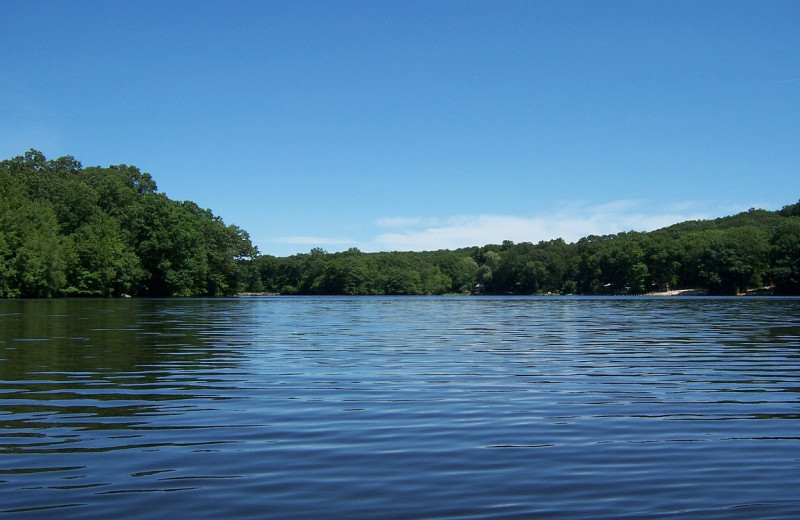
point(733, 260)
point(224, 250)
point(465, 275)
point(792, 210)
point(40, 259)
point(355, 277)
point(170, 248)
point(662, 256)
point(785, 257)
point(104, 264)
point(434, 281)
point(397, 280)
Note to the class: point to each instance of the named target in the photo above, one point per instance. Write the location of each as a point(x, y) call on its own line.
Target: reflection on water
point(400, 408)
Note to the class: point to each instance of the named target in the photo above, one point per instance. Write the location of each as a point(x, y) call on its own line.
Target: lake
point(400, 407)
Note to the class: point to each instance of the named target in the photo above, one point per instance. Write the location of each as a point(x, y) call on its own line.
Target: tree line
point(66, 230)
point(754, 249)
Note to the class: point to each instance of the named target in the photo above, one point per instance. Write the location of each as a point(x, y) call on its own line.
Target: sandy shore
point(680, 292)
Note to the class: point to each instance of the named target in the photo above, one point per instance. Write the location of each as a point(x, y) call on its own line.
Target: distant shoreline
point(680, 292)
point(764, 291)
point(674, 292)
point(677, 292)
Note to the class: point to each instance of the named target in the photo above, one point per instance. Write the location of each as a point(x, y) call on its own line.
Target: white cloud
point(315, 241)
point(571, 222)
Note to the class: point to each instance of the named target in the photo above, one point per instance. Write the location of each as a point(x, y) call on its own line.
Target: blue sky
point(417, 125)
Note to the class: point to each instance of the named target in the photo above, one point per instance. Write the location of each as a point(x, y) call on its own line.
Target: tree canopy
point(66, 230)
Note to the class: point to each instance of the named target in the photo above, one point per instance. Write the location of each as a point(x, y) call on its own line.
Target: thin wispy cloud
point(314, 241)
point(571, 223)
point(406, 222)
point(780, 81)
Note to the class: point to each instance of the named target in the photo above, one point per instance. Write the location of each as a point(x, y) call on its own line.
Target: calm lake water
point(400, 408)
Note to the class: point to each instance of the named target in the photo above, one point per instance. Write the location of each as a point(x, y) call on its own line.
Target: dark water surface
point(400, 408)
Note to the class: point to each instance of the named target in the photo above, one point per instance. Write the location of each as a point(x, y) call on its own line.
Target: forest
point(66, 230)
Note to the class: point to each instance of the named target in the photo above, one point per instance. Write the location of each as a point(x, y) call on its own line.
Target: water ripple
point(400, 408)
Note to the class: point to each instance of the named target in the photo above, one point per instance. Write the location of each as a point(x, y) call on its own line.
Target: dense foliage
point(754, 249)
point(68, 230)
